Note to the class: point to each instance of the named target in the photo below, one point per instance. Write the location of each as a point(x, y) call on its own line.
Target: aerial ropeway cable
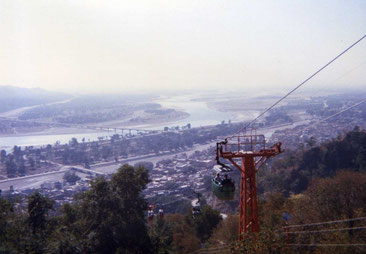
point(326, 223)
point(287, 232)
point(325, 230)
point(252, 151)
point(341, 111)
point(329, 245)
point(325, 118)
point(301, 84)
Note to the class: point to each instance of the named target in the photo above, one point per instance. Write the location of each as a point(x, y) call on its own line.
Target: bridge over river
point(122, 130)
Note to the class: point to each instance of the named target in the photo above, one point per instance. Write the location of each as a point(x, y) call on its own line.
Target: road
point(35, 181)
point(111, 167)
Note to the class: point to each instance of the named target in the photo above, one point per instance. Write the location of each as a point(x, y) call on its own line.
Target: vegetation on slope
point(111, 216)
point(293, 171)
point(15, 97)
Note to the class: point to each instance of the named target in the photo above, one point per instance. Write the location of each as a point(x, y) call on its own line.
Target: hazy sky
point(104, 46)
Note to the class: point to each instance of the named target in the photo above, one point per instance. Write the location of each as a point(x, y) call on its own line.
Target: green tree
point(17, 151)
point(111, 215)
point(311, 142)
point(146, 164)
point(73, 142)
point(14, 232)
point(205, 223)
point(226, 231)
point(31, 163)
point(38, 208)
point(71, 177)
point(106, 152)
point(6, 210)
point(184, 237)
point(343, 196)
point(161, 236)
point(328, 199)
point(21, 167)
point(2, 156)
point(271, 211)
point(10, 166)
point(263, 242)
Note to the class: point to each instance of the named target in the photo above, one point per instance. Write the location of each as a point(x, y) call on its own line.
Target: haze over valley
point(182, 127)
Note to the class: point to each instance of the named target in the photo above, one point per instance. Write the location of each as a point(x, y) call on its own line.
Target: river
point(199, 115)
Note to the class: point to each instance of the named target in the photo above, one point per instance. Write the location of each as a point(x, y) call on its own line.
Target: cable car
point(161, 213)
point(196, 210)
point(150, 213)
point(196, 206)
point(223, 189)
point(222, 168)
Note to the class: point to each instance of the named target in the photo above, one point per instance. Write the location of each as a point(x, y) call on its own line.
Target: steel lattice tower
point(251, 151)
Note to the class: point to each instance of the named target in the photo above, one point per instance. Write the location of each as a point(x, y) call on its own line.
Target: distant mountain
point(12, 97)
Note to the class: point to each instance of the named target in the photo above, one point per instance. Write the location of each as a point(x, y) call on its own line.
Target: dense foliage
point(294, 170)
point(108, 218)
point(111, 216)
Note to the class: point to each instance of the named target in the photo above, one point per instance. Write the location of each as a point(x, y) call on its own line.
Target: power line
point(301, 84)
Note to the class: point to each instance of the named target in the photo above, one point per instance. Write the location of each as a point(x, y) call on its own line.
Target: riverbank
point(197, 113)
point(142, 123)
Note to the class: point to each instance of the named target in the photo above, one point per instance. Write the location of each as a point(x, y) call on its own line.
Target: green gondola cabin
point(223, 190)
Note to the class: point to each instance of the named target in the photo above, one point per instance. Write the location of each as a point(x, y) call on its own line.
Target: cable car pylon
point(250, 150)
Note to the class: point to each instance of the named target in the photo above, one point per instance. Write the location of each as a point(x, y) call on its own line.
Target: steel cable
point(301, 84)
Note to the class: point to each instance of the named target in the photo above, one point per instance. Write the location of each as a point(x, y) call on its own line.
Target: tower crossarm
point(268, 153)
point(247, 153)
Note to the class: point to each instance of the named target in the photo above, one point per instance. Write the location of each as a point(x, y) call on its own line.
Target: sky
point(153, 45)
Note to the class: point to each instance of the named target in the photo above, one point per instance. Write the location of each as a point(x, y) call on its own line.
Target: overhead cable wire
point(174, 201)
point(329, 245)
point(348, 72)
point(343, 110)
point(318, 121)
point(301, 84)
point(221, 251)
point(214, 249)
point(324, 230)
point(324, 119)
point(325, 223)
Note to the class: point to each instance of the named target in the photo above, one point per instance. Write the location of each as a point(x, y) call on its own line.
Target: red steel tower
point(247, 153)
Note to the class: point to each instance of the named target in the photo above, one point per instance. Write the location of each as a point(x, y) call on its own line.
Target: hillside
point(12, 97)
point(293, 171)
point(312, 184)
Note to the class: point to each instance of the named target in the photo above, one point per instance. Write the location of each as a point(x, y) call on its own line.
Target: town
point(179, 160)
